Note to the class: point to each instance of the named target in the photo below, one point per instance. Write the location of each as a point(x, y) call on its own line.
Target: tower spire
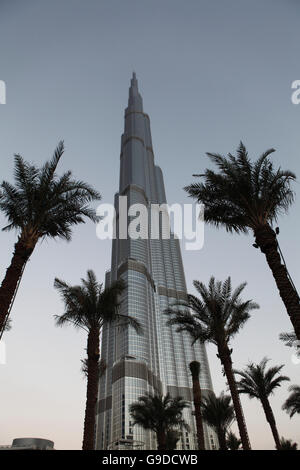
point(135, 102)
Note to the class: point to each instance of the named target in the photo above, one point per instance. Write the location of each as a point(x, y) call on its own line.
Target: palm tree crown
point(41, 204)
point(89, 306)
point(243, 195)
point(218, 413)
point(217, 316)
point(292, 404)
point(159, 414)
point(257, 382)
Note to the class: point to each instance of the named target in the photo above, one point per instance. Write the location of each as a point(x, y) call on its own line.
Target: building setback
point(157, 361)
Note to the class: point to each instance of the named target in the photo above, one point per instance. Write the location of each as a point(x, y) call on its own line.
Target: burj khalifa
point(158, 360)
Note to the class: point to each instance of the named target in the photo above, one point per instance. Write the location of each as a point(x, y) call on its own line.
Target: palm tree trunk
point(222, 439)
point(271, 420)
point(198, 414)
point(265, 238)
point(12, 277)
point(161, 440)
point(227, 364)
point(92, 389)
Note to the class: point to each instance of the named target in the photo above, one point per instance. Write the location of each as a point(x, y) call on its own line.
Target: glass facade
point(158, 360)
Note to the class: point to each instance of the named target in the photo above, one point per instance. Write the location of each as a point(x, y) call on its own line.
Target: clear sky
point(211, 73)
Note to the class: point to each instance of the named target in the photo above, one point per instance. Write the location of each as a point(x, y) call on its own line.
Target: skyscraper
point(157, 361)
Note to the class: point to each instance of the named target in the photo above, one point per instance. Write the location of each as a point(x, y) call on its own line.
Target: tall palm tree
point(259, 382)
point(40, 205)
point(88, 306)
point(232, 442)
point(217, 317)
point(287, 444)
point(159, 414)
point(248, 196)
point(292, 404)
point(218, 413)
point(195, 370)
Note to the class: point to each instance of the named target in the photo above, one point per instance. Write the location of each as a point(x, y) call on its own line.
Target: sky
point(211, 73)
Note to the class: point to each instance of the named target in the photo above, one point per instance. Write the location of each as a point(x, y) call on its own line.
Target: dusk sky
point(211, 73)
